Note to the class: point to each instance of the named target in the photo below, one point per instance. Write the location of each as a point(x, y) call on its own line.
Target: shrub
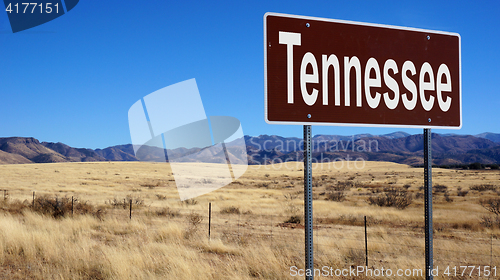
point(99, 214)
point(350, 220)
point(137, 201)
point(295, 219)
point(341, 186)
point(60, 207)
point(492, 205)
point(440, 188)
point(190, 201)
point(392, 197)
point(462, 193)
point(125, 203)
point(345, 185)
point(194, 220)
point(82, 207)
point(447, 197)
point(230, 210)
point(14, 206)
point(161, 196)
point(51, 206)
point(264, 185)
point(490, 222)
point(167, 212)
point(475, 166)
point(338, 196)
point(115, 203)
point(483, 187)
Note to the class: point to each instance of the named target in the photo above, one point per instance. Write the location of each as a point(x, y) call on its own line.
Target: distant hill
point(8, 158)
point(395, 135)
point(440, 144)
point(495, 137)
point(30, 149)
point(400, 147)
point(117, 153)
point(73, 154)
point(446, 150)
point(490, 153)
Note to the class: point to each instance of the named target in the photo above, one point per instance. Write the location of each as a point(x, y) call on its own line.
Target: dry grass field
point(256, 230)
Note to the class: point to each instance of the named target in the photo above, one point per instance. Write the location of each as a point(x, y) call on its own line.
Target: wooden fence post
point(366, 245)
point(209, 218)
point(131, 209)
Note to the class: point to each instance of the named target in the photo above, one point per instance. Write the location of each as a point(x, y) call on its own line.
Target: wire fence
point(372, 243)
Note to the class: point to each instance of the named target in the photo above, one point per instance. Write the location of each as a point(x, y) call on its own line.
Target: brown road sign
point(331, 72)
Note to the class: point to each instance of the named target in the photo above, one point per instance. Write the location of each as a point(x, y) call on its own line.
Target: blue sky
point(73, 79)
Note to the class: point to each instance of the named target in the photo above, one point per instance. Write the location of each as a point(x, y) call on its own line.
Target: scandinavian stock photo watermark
point(24, 15)
point(333, 154)
point(383, 273)
point(354, 271)
point(204, 153)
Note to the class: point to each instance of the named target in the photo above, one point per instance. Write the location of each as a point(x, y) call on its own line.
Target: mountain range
point(400, 147)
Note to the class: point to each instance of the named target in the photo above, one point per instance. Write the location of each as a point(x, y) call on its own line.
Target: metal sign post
point(308, 201)
point(428, 203)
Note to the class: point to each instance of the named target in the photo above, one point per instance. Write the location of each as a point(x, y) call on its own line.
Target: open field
point(254, 233)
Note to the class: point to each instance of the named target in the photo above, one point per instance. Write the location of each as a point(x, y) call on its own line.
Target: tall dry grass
point(165, 240)
point(40, 247)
